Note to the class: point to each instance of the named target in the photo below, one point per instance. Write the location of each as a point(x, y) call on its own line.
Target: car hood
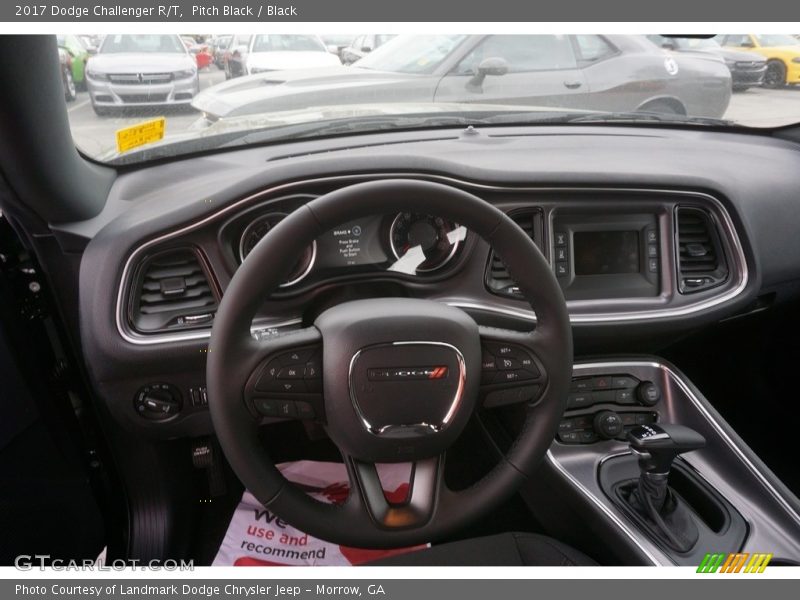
point(739, 55)
point(242, 124)
point(279, 61)
point(791, 50)
point(140, 62)
point(252, 94)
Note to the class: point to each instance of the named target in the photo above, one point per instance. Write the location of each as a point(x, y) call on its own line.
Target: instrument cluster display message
point(353, 244)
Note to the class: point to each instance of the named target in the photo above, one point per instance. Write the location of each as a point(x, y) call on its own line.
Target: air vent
point(497, 278)
point(701, 261)
point(172, 291)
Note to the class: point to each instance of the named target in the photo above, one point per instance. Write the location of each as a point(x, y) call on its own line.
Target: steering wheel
point(400, 378)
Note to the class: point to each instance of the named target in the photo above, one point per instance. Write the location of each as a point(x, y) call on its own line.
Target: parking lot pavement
point(756, 107)
point(760, 107)
point(95, 135)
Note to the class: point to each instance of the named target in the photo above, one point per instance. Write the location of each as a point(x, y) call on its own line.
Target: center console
point(724, 498)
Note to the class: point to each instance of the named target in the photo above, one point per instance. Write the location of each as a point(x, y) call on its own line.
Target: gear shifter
point(656, 447)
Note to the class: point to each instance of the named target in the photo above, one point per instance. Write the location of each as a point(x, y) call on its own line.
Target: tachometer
point(261, 227)
point(432, 240)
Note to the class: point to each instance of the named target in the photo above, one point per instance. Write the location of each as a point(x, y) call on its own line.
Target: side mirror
point(366, 49)
point(332, 49)
point(747, 44)
point(494, 66)
point(92, 51)
point(669, 45)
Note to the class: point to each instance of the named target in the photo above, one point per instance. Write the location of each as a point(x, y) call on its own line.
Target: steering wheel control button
point(158, 402)
point(648, 393)
point(560, 239)
point(295, 356)
point(495, 398)
point(507, 364)
point(304, 410)
point(292, 372)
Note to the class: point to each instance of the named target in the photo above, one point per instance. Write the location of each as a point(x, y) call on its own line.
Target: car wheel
point(70, 92)
point(775, 77)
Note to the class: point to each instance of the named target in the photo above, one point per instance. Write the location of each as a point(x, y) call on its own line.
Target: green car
point(79, 54)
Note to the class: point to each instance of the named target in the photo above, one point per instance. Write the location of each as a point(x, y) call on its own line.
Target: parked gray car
point(747, 68)
point(140, 71)
point(363, 45)
point(613, 73)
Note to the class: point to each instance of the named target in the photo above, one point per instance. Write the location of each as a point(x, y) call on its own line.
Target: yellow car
point(781, 51)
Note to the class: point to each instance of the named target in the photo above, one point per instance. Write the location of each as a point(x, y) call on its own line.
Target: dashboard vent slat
point(172, 286)
point(701, 262)
point(498, 279)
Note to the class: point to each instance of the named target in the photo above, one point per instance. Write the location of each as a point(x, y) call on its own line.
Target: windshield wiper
point(647, 117)
point(350, 125)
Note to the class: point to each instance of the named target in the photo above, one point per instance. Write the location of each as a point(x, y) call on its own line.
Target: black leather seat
point(503, 550)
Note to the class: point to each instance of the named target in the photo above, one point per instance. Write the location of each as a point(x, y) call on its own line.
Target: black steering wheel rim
point(234, 355)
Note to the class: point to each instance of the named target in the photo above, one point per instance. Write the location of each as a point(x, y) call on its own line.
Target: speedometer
point(431, 240)
point(261, 227)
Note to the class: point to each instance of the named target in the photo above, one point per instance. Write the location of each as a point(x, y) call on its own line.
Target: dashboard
point(649, 234)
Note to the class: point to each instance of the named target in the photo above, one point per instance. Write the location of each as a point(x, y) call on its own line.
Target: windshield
point(287, 43)
point(165, 101)
point(142, 44)
point(777, 40)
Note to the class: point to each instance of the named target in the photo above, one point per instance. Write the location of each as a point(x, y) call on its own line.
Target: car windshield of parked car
point(411, 54)
point(216, 96)
point(141, 44)
point(777, 40)
point(696, 43)
point(287, 43)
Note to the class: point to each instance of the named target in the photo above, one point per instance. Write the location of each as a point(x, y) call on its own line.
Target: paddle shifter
point(656, 446)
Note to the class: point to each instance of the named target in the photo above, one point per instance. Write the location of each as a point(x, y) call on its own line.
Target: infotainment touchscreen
point(606, 252)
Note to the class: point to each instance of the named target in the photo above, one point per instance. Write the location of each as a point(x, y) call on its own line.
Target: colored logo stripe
point(734, 562)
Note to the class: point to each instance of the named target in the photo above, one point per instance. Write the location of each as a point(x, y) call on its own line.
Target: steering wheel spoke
point(511, 371)
point(286, 382)
point(415, 509)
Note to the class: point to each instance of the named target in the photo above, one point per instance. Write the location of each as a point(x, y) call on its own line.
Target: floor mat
point(257, 537)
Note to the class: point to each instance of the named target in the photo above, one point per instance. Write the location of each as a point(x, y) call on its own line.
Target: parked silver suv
point(141, 71)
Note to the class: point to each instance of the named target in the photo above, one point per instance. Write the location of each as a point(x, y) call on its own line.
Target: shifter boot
point(673, 522)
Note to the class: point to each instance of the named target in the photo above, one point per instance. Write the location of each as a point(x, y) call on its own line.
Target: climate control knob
point(648, 393)
point(608, 424)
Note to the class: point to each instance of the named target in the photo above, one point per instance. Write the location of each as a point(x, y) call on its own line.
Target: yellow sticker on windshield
point(140, 134)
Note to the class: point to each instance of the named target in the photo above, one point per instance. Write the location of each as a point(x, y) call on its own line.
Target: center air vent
point(172, 291)
point(497, 278)
point(701, 261)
